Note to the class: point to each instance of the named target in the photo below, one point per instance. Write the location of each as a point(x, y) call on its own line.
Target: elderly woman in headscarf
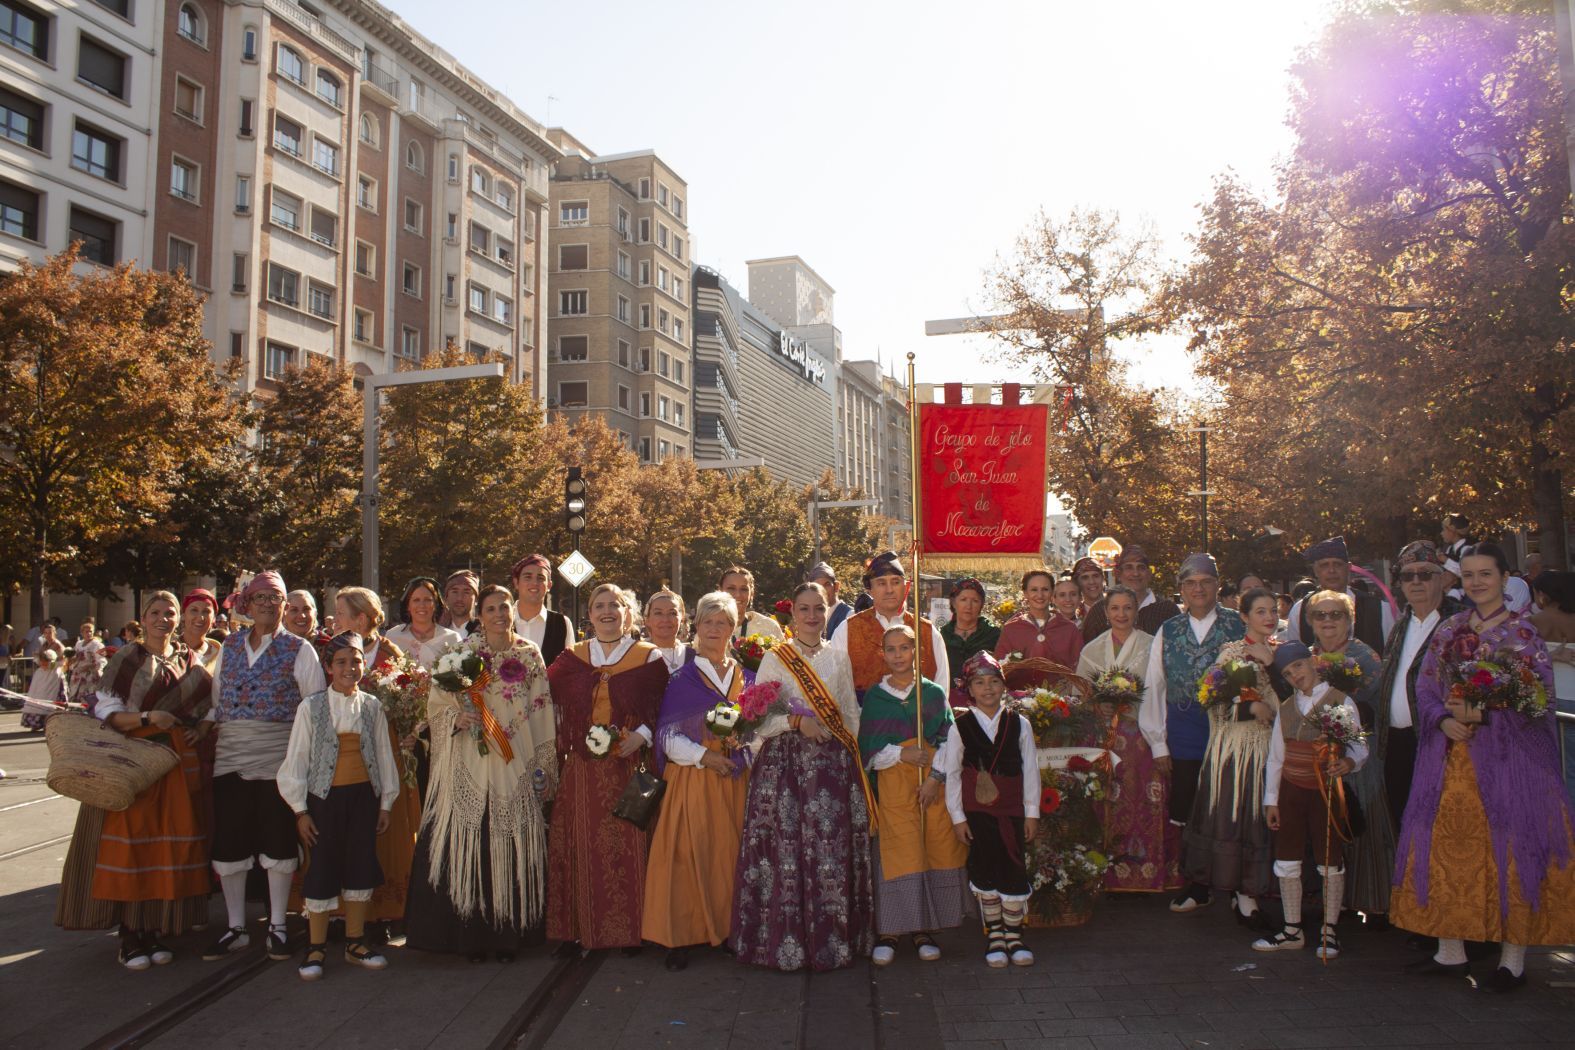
point(969, 631)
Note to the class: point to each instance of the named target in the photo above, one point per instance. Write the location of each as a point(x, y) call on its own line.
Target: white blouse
point(833, 668)
point(424, 653)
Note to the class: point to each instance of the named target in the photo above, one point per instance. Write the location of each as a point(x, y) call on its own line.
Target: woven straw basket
point(92, 763)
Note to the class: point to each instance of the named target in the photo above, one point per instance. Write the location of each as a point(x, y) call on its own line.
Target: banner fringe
point(993, 562)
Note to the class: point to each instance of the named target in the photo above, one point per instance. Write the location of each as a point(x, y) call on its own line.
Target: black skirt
point(432, 924)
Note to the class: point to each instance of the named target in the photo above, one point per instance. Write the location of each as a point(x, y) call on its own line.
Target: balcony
point(376, 77)
point(424, 109)
point(315, 27)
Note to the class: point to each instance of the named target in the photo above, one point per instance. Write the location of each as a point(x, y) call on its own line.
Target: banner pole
point(919, 632)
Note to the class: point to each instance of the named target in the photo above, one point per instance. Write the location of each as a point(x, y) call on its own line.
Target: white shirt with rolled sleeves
point(1304, 702)
point(680, 749)
point(253, 749)
point(308, 669)
point(951, 763)
point(603, 655)
point(297, 767)
point(943, 666)
point(1151, 713)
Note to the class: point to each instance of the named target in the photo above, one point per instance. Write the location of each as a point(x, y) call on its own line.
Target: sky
point(901, 148)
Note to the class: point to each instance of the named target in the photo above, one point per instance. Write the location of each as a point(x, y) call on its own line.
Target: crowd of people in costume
point(883, 785)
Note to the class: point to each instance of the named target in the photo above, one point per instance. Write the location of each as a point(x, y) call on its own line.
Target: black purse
point(641, 799)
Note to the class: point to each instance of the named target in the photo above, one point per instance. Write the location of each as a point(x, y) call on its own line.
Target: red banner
point(983, 487)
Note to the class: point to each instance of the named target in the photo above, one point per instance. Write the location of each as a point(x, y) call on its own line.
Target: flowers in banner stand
point(599, 740)
point(1118, 686)
point(1059, 719)
point(751, 649)
point(1229, 682)
point(783, 611)
point(1342, 672)
point(1049, 801)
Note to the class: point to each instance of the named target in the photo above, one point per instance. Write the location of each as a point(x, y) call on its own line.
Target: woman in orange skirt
point(689, 880)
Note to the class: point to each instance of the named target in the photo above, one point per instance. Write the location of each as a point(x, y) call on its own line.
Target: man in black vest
point(549, 631)
point(1331, 567)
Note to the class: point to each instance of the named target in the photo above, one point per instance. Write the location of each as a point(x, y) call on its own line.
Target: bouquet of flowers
point(783, 611)
point(402, 687)
point(1341, 672)
point(1058, 719)
point(457, 670)
point(599, 739)
point(1118, 686)
point(1340, 725)
point(1502, 679)
point(1004, 610)
point(751, 649)
point(1233, 681)
point(755, 704)
point(723, 720)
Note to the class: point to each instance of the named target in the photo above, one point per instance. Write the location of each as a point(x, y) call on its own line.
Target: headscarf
point(1131, 552)
point(263, 583)
point(1419, 552)
point(199, 594)
point(1333, 547)
point(1078, 565)
point(821, 568)
point(529, 559)
point(465, 574)
point(970, 584)
point(885, 563)
point(1198, 564)
point(342, 640)
point(982, 662)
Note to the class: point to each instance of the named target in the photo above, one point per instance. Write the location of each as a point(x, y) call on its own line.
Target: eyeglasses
point(266, 599)
point(1326, 614)
point(1419, 575)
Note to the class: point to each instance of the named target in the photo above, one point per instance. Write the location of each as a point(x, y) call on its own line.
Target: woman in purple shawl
point(694, 851)
point(1485, 847)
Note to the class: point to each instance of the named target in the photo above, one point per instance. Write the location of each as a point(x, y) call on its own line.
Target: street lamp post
point(814, 517)
point(369, 479)
point(1203, 492)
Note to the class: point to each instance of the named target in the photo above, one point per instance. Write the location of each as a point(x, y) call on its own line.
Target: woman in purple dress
point(804, 890)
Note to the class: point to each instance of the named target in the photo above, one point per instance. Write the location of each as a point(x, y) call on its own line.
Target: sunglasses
point(1326, 614)
point(1419, 575)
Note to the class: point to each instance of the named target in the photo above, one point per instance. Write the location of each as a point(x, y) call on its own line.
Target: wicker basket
point(1038, 671)
point(92, 763)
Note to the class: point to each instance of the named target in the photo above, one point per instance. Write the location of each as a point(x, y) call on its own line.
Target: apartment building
point(619, 297)
point(896, 450)
point(758, 391)
point(336, 183)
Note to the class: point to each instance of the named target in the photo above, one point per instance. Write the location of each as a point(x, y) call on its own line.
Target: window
point(21, 120)
point(623, 352)
point(18, 211)
point(645, 359)
point(504, 251)
point(237, 343)
point(366, 193)
point(325, 156)
point(574, 213)
point(502, 310)
point(623, 265)
point(409, 343)
point(645, 406)
point(189, 24)
point(243, 194)
point(478, 351)
point(530, 225)
point(645, 189)
point(289, 65)
point(329, 89)
point(664, 363)
point(678, 287)
point(413, 216)
point(284, 286)
point(247, 108)
point(661, 319)
point(24, 28)
point(363, 326)
point(415, 159)
point(453, 167)
point(365, 258)
point(678, 412)
point(623, 222)
point(505, 197)
point(661, 278)
point(183, 179)
point(645, 231)
point(325, 227)
point(97, 234)
point(623, 309)
point(240, 272)
point(286, 135)
point(678, 372)
point(574, 348)
point(661, 194)
point(480, 239)
point(663, 450)
point(574, 257)
point(678, 246)
point(451, 226)
point(95, 152)
point(574, 395)
point(418, 95)
point(645, 449)
point(623, 398)
point(478, 299)
point(678, 206)
point(286, 210)
point(528, 279)
point(663, 407)
point(480, 181)
point(645, 273)
point(102, 68)
point(645, 315)
point(182, 257)
point(249, 44)
point(410, 280)
point(678, 329)
point(320, 300)
point(573, 304)
point(188, 99)
point(276, 359)
point(661, 235)
point(368, 130)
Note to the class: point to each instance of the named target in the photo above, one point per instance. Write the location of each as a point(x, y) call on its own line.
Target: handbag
point(641, 798)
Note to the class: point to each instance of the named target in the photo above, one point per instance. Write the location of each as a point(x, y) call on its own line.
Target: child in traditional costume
point(1295, 798)
point(920, 881)
point(340, 779)
point(992, 795)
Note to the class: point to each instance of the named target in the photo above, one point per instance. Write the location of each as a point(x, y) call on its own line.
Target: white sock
point(1333, 896)
point(278, 895)
point(1291, 895)
point(1450, 952)
point(234, 887)
point(1245, 904)
point(1512, 957)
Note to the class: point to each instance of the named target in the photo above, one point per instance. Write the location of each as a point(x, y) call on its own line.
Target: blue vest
point(1185, 659)
point(262, 692)
point(325, 742)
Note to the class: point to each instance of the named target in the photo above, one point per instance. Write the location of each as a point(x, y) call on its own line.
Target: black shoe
point(1194, 898)
point(567, 950)
point(505, 957)
point(278, 943)
point(229, 942)
point(631, 952)
point(1418, 943)
point(1502, 982)
point(1378, 923)
point(1476, 951)
point(677, 959)
point(477, 957)
point(1433, 968)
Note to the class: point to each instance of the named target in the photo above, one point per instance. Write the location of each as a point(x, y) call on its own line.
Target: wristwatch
point(936, 774)
point(144, 718)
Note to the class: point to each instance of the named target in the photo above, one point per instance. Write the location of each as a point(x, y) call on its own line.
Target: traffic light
point(574, 502)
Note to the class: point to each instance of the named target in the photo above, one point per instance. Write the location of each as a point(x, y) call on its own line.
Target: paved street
point(1135, 977)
